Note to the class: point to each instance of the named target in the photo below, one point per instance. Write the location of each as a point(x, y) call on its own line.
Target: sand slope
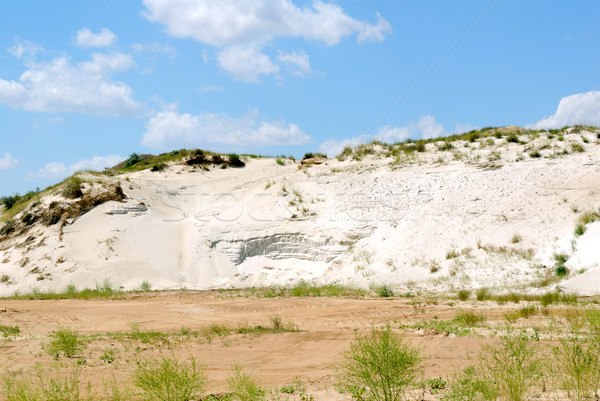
point(442, 221)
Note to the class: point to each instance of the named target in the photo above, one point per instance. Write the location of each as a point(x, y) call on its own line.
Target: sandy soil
point(327, 325)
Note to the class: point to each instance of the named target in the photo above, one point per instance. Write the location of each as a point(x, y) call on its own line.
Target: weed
point(577, 364)
point(380, 365)
point(72, 188)
point(516, 238)
point(66, 341)
point(384, 291)
point(145, 286)
point(468, 318)
point(436, 385)
point(244, 386)
point(280, 162)
point(9, 330)
point(577, 147)
point(511, 367)
point(451, 254)
point(167, 379)
point(482, 294)
point(463, 295)
point(468, 386)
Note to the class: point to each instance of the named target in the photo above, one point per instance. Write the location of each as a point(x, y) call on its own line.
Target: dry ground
point(326, 327)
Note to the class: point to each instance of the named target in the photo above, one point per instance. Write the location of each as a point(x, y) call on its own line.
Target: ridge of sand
point(484, 214)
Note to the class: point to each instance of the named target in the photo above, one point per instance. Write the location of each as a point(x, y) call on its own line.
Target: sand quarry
point(488, 213)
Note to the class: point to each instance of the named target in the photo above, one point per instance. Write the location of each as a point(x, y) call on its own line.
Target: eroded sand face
point(438, 223)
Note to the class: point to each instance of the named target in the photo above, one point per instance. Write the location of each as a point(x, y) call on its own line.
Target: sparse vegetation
point(167, 379)
point(380, 366)
point(244, 386)
point(66, 341)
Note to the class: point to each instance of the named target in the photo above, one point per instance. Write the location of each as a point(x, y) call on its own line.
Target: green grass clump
point(384, 291)
point(577, 364)
point(166, 379)
point(512, 367)
point(482, 294)
point(469, 386)
point(72, 188)
point(468, 318)
point(9, 330)
point(244, 386)
point(380, 366)
point(66, 341)
point(463, 295)
point(280, 162)
point(63, 387)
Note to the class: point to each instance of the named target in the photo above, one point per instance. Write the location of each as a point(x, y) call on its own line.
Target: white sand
point(357, 222)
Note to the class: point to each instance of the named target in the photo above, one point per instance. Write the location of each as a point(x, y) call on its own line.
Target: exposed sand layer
point(485, 213)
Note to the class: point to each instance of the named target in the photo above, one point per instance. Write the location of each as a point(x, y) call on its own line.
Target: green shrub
point(9, 330)
point(133, 159)
point(72, 188)
point(280, 162)
point(512, 367)
point(468, 318)
point(468, 386)
point(60, 388)
point(577, 147)
point(145, 286)
point(158, 167)
point(579, 230)
point(482, 294)
point(381, 366)
point(9, 201)
point(64, 340)
point(384, 291)
point(235, 161)
point(463, 295)
point(170, 380)
point(577, 364)
point(245, 387)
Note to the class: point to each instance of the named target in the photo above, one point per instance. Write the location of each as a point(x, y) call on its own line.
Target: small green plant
point(468, 318)
point(133, 159)
point(244, 386)
point(72, 188)
point(280, 162)
point(145, 286)
point(463, 295)
point(235, 161)
point(65, 341)
point(108, 356)
point(380, 366)
point(158, 167)
point(512, 367)
point(516, 238)
point(468, 386)
point(167, 379)
point(9, 330)
point(62, 387)
point(577, 147)
point(577, 365)
point(436, 385)
point(384, 291)
point(579, 230)
point(482, 294)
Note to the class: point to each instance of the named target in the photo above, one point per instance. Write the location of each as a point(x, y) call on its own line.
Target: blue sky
point(84, 84)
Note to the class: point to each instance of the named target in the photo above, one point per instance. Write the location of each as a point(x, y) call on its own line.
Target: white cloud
point(246, 63)
point(581, 108)
point(425, 127)
point(297, 61)
point(7, 162)
point(211, 88)
point(59, 85)
point(24, 48)
point(333, 147)
point(86, 38)
point(230, 22)
point(169, 129)
point(242, 28)
point(58, 171)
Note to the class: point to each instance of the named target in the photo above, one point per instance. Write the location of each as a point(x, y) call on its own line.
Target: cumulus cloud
point(581, 108)
point(7, 162)
point(246, 63)
point(296, 61)
point(86, 87)
point(24, 48)
point(333, 147)
point(86, 38)
point(170, 129)
point(233, 25)
point(57, 171)
point(425, 127)
point(229, 22)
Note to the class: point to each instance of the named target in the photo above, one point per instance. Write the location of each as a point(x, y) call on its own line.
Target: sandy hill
point(507, 209)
